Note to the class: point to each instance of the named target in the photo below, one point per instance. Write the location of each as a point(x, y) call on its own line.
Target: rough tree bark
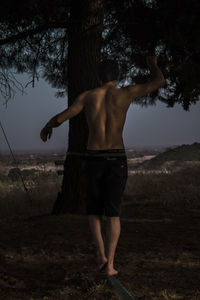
point(84, 44)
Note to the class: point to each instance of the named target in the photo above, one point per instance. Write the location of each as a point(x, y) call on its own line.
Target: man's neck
point(110, 84)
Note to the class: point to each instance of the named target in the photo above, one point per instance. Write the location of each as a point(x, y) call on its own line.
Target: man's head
point(108, 70)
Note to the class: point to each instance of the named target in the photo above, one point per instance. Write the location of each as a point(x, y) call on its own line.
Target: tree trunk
point(84, 44)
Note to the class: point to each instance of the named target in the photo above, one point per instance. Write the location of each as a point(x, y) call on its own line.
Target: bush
point(3, 178)
point(14, 174)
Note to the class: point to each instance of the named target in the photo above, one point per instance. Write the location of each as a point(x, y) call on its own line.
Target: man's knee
point(113, 212)
point(112, 217)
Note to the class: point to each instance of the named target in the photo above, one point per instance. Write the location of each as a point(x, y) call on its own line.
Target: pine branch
point(31, 32)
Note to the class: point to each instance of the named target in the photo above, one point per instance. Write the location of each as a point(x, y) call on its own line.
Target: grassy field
point(53, 257)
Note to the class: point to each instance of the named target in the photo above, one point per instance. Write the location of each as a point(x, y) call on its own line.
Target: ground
point(53, 257)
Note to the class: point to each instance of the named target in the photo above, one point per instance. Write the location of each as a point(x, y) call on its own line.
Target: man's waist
point(105, 153)
point(90, 153)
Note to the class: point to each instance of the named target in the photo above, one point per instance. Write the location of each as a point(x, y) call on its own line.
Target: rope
point(125, 295)
point(13, 157)
point(122, 291)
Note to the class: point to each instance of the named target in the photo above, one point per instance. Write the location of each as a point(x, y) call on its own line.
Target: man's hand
point(157, 81)
point(46, 132)
point(151, 61)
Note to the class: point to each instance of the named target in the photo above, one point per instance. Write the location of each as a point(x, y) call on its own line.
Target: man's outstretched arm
point(157, 80)
point(66, 114)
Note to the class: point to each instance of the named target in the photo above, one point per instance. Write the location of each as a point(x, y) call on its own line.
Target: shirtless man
point(106, 163)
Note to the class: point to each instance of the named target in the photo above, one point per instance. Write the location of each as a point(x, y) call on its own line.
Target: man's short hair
point(108, 70)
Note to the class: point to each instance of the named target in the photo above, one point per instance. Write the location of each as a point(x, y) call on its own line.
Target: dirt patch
point(53, 257)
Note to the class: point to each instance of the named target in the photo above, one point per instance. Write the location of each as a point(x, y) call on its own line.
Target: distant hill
point(174, 157)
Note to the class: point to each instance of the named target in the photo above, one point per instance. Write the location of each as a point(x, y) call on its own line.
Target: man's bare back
point(105, 109)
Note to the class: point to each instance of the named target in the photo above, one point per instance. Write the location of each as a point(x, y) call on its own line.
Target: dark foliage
point(34, 39)
point(14, 174)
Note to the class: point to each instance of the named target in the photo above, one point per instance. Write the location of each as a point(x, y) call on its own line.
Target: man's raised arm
point(157, 80)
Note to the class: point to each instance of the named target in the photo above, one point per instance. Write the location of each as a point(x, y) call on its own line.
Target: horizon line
point(63, 150)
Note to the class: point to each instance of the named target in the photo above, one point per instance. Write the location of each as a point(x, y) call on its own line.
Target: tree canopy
point(34, 39)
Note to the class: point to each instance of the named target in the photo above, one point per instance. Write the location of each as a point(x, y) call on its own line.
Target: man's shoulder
point(93, 93)
point(95, 90)
point(82, 96)
point(88, 92)
point(99, 90)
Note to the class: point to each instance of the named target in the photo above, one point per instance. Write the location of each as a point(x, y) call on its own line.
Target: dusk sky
point(25, 116)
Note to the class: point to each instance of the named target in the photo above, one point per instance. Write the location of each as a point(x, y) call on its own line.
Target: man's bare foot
point(101, 261)
point(110, 271)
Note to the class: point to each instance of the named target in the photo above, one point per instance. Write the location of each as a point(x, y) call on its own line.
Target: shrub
point(14, 174)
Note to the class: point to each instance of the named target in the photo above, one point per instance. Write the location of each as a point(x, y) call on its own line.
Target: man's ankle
point(110, 263)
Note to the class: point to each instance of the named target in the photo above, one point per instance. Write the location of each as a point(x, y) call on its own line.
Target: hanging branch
point(8, 85)
point(35, 61)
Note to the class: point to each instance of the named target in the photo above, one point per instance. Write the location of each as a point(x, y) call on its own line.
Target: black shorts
point(106, 175)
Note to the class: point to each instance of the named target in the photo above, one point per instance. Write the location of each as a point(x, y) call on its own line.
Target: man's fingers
point(44, 134)
point(44, 139)
point(50, 133)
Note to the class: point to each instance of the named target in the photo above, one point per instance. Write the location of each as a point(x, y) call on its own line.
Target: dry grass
point(180, 188)
point(47, 258)
point(15, 201)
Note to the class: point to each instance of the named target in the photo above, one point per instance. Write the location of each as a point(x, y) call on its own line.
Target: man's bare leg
point(113, 229)
point(95, 225)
